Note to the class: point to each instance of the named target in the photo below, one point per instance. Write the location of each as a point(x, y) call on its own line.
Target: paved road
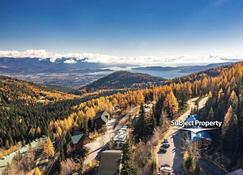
point(173, 157)
point(211, 169)
point(95, 146)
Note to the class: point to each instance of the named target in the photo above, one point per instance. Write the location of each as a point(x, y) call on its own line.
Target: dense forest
point(169, 98)
point(26, 109)
point(226, 104)
point(123, 80)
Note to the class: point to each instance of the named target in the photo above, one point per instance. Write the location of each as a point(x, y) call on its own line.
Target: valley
point(61, 75)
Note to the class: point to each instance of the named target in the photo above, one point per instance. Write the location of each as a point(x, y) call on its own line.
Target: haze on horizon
point(123, 28)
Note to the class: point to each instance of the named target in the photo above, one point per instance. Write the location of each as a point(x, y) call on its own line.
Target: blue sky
point(123, 27)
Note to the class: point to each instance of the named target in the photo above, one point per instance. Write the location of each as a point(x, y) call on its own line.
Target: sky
point(123, 28)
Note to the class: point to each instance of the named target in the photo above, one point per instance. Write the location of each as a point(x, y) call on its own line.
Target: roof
point(236, 172)
point(110, 162)
point(199, 135)
point(191, 118)
point(76, 137)
point(101, 115)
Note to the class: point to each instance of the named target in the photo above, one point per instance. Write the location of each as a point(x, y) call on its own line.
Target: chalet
point(77, 139)
point(101, 119)
point(202, 139)
point(110, 163)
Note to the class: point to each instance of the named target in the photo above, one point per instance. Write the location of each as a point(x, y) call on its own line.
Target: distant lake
point(169, 74)
point(164, 74)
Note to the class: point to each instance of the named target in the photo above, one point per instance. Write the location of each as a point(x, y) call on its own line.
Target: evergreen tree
point(139, 128)
point(63, 151)
point(128, 167)
point(210, 115)
point(230, 132)
point(158, 111)
point(233, 100)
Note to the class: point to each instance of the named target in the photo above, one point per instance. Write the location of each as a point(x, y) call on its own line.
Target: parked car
point(165, 141)
point(165, 145)
point(166, 168)
point(162, 150)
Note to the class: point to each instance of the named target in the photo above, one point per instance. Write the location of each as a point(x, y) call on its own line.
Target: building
point(101, 119)
point(77, 139)
point(236, 172)
point(202, 138)
point(110, 163)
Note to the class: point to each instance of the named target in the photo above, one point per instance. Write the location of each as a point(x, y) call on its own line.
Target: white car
point(124, 127)
point(121, 132)
point(166, 168)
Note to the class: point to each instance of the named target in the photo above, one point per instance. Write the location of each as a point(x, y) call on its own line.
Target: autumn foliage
point(49, 148)
point(37, 171)
point(174, 95)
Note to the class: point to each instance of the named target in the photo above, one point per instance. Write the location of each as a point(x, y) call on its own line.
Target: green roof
point(76, 138)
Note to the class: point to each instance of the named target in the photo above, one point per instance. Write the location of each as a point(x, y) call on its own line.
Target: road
point(211, 169)
point(95, 146)
point(173, 157)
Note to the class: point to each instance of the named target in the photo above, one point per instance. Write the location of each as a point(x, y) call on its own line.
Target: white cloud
point(164, 60)
point(29, 53)
point(71, 61)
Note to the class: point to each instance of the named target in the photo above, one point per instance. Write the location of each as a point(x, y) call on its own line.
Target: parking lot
point(120, 137)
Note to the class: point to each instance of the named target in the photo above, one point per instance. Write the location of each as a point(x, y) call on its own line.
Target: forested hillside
point(223, 85)
point(169, 98)
point(123, 79)
point(25, 110)
point(12, 90)
point(226, 104)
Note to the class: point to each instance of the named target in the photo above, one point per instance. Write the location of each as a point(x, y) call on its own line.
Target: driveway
point(95, 146)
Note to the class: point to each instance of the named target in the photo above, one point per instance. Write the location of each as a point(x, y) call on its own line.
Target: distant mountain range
point(37, 65)
point(73, 72)
point(183, 69)
point(58, 73)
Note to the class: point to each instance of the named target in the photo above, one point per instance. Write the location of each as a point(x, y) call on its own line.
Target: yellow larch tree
point(49, 148)
point(37, 171)
point(171, 104)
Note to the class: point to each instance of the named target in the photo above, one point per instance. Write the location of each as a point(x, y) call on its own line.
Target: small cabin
point(202, 138)
point(101, 119)
point(77, 139)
